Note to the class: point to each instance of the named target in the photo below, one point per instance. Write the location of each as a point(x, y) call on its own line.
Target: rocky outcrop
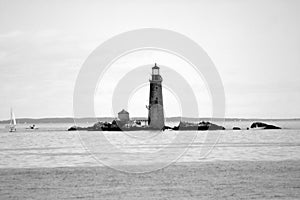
point(261, 125)
point(99, 126)
point(209, 126)
point(76, 128)
point(202, 126)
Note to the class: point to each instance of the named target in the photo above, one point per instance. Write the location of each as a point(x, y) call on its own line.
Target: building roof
point(155, 67)
point(123, 112)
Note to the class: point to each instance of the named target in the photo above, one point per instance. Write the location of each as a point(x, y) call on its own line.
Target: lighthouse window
point(155, 71)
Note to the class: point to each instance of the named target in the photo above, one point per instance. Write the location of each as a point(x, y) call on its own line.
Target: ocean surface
point(51, 145)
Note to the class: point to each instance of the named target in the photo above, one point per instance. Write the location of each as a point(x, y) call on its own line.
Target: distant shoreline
point(94, 119)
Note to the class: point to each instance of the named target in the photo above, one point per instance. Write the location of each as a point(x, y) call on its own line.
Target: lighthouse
point(156, 118)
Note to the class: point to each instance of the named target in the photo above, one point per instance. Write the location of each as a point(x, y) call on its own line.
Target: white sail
point(13, 121)
point(12, 118)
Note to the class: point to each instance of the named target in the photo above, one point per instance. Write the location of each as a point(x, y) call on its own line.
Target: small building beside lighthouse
point(156, 118)
point(123, 116)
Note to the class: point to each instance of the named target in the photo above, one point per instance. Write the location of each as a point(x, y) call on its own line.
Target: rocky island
point(117, 125)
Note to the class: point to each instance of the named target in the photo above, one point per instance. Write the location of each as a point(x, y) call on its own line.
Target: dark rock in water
point(76, 128)
point(167, 128)
point(209, 126)
point(73, 128)
point(186, 126)
point(261, 125)
point(236, 128)
point(104, 126)
point(202, 126)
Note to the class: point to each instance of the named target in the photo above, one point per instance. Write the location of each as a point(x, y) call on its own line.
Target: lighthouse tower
point(156, 107)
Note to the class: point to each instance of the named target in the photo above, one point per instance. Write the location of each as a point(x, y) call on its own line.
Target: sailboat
point(13, 122)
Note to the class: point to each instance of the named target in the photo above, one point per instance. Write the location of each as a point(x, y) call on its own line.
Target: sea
point(51, 145)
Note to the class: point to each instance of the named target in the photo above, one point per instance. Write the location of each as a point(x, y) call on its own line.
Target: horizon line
point(241, 118)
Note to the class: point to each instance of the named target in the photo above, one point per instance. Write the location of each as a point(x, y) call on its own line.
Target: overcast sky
point(255, 46)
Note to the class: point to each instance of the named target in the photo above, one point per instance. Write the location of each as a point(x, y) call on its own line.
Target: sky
point(254, 44)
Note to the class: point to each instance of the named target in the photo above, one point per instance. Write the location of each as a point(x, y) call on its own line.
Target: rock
point(202, 126)
point(261, 125)
point(236, 128)
point(209, 126)
point(186, 126)
point(76, 128)
point(167, 128)
point(73, 128)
